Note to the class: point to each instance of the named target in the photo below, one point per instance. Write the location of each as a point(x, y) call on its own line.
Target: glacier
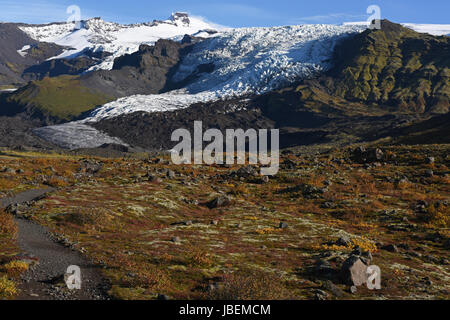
point(247, 61)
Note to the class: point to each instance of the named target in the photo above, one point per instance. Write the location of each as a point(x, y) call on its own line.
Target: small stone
point(415, 254)
point(335, 290)
point(163, 297)
point(390, 248)
point(327, 205)
point(170, 174)
point(265, 179)
point(212, 287)
point(283, 225)
point(344, 241)
point(220, 201)
point(214, 222)
point(152, 178)
point(430, 160)
point(320, 295)
point(429, 173)
point(353, 290)
point(176, 240)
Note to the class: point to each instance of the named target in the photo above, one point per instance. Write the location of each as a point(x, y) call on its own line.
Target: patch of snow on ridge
point(99, 35)
point(433, 29)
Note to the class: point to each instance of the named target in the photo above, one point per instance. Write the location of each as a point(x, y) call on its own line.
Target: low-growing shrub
point(8, 288)
point(7, 225)
point(15, 268)
point(249, 285)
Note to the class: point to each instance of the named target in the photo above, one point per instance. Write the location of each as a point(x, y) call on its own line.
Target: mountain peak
point(180, 17)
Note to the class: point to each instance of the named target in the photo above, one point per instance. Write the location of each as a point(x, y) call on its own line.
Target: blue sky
point(242, 13)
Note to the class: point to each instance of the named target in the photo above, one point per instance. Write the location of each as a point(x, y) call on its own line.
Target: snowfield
point(434, 29)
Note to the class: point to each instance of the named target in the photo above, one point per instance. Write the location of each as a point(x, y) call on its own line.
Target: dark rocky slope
point(64, 98)
point(12, 63)
point(69, 66)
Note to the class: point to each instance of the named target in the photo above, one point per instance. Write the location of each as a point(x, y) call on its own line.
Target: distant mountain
point(98, 35)
point(294, 76)
point(382, 83)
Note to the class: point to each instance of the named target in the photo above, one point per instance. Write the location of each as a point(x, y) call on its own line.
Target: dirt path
point(45, 280)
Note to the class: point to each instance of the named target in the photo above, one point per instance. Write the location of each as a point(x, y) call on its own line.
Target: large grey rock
point(354, 271)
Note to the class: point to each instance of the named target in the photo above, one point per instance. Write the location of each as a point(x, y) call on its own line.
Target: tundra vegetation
point(225, 232)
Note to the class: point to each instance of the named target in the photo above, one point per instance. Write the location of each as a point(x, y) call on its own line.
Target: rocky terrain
point(212, 232)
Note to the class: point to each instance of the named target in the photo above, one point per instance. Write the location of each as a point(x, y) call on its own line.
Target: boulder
point(430, 160)
point(220, 201)
point(354, 271)
point(283, 225)
point(361, 155)
point(390, 248)
point(344, 241)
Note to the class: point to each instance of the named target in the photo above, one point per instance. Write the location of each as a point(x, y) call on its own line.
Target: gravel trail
point(45, 279)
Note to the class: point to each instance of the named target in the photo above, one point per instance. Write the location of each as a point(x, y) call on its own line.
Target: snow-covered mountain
point(250, 60)
point(247, 60)
point(99, 35)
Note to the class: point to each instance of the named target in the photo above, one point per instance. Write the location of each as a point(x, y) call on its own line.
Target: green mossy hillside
point(394, 66)
point(64, 97)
